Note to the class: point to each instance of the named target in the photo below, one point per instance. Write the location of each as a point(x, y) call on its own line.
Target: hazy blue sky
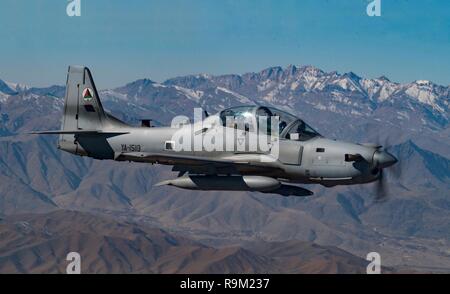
point(125, 40)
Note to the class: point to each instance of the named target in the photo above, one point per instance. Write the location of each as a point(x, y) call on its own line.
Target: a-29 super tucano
point(303, 155)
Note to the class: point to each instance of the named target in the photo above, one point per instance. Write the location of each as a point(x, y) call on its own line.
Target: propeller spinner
point(381, 160)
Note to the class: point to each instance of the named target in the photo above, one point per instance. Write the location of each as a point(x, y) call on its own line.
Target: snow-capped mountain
point(17, 87)
point(5, 89)
point(12, 88)
point(347, 93)
point(300, 89)
point(325, 99)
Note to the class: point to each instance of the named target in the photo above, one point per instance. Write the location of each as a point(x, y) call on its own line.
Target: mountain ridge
point(271, 73)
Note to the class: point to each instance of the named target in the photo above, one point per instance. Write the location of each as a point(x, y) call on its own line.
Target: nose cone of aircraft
point(384, 159)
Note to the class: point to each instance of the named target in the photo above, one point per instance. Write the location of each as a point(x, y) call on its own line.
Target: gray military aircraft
point(303, 156)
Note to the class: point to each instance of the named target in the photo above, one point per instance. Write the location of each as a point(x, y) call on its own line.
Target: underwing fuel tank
point(225, 183)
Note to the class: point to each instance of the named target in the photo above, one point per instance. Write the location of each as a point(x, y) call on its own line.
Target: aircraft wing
point(236, 164)
point(77, 132)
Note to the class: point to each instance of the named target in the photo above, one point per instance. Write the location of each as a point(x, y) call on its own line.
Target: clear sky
point(125, 40)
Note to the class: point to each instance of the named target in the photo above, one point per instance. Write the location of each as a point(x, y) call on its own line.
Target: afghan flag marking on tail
point(87, 94)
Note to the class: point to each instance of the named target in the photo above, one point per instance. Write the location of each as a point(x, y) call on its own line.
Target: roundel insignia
point(87, 94)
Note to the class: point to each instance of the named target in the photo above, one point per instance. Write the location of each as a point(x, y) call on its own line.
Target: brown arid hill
point(308, 257)
point(39, 243)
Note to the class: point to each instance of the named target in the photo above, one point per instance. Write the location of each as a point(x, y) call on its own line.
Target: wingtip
point(162, 183)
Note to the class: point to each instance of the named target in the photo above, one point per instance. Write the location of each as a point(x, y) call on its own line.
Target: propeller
point(381, 188)
point(384, 162)
point(394, 170)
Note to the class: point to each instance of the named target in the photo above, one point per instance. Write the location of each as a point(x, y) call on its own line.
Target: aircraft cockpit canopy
point(267, 120)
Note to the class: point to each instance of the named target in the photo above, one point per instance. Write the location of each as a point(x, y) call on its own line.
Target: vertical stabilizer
point(82, 109)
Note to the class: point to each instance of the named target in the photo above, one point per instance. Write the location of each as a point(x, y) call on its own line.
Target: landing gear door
point(290, 152)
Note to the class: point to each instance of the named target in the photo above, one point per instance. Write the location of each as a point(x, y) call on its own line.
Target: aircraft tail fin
point(84, 115)
point(83, 110)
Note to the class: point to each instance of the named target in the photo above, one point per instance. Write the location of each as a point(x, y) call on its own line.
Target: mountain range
point(39, 243)
point(410, 229)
